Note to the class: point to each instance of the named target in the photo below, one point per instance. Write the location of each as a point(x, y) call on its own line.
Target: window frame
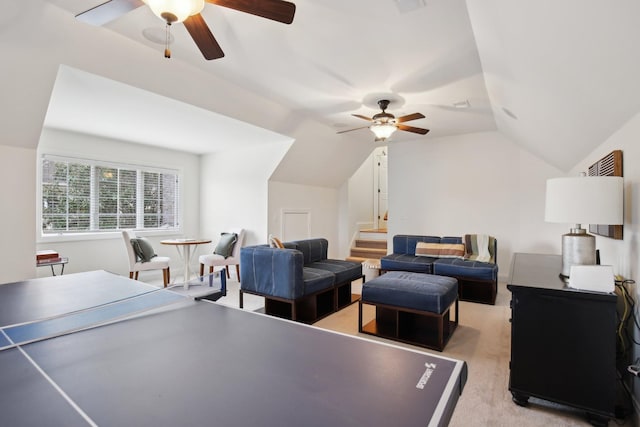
point(140, 169)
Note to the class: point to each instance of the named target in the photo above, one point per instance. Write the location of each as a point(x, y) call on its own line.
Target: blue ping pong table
point(99, 349)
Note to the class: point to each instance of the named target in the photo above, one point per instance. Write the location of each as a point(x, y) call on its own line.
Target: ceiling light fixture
point(383, 124)
point(382, 130)
point(172, 11)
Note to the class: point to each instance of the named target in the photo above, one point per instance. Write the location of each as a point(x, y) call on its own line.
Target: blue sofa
point(298, 282)
point(477, 281)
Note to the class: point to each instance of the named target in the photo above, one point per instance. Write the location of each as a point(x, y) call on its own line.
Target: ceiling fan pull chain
point(167, 51)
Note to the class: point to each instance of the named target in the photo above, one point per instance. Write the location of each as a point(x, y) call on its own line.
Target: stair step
point(368, 253)
point(371, 243)
point(373, 234)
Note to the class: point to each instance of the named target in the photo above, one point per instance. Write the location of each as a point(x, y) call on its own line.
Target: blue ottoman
point(411, 307)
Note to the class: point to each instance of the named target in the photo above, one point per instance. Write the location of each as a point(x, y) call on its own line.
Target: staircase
point(371, 244)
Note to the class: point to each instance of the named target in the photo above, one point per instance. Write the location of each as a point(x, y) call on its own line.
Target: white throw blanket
point(483, 248)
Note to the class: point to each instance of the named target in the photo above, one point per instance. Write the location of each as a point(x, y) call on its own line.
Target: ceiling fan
point(385, 124)
point(188, 12)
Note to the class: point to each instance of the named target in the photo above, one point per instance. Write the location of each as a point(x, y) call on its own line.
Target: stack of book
point(47, 256)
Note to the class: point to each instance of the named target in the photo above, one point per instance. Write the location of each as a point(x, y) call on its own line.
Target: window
point(80, 196)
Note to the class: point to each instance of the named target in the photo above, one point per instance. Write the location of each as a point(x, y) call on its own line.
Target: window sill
point(53, 238)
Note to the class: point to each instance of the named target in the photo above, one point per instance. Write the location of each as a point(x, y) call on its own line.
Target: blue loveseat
point(477, 281)
point(298, 282)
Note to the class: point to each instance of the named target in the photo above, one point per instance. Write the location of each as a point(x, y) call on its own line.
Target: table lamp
point(583, 200)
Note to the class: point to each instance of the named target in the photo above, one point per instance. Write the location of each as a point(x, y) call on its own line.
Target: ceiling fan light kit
point(382, 131)
point(172, 11)
point(385, 124)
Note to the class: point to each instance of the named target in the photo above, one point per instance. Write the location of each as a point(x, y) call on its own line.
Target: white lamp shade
point(181, 9)
point(585, 200)
point(382, 130)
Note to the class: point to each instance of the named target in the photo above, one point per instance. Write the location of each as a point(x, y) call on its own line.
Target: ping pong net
point(137, 300)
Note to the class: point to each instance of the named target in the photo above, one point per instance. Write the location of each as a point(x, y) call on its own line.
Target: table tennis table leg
point(223, 283)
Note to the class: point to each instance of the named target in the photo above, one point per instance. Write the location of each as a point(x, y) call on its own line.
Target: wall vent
point(609, 165)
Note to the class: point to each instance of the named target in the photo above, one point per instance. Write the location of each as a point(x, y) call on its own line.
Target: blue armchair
point(298, 282)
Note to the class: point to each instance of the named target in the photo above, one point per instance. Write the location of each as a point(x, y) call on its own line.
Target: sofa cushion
point(316, 280)
point(345, 271)
point(406, 244)
point(425, 292)
point(465, 269)
point(274, 242)
point(313, 249)
point(225, 245)
point(451, 250)
point(451, 240)
point(440, 250)
point(428, 249)
point(404, 262)
point(143, 249)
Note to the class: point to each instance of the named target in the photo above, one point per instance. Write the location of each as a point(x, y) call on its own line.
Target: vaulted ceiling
point(557, 78)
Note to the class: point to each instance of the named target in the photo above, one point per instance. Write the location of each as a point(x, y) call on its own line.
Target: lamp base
point(578, 248)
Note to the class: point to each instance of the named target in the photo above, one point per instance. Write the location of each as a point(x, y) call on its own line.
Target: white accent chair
point(135, 266)
point(215, 260)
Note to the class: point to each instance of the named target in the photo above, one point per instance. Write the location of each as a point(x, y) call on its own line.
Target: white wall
point(624, 255)
point(344, 222)
point(234, 190)
point(361, 196)
point(107, 251)
point(18, 177)
point(322, 204)
point(472, 183)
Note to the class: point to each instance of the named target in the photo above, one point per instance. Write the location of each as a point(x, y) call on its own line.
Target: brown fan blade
point(362, 117)
point(413, 129)
point(409, 117)
point(349, 130)
point(203, 37)
point(276, 10)
point(108, 11)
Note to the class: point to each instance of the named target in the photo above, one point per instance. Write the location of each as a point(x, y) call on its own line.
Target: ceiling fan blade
point(108, 11)
point(349, 130)
point(362, 117)
point(276, 10)
point(413, 129)
point(203, 37)
point(409, 117)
